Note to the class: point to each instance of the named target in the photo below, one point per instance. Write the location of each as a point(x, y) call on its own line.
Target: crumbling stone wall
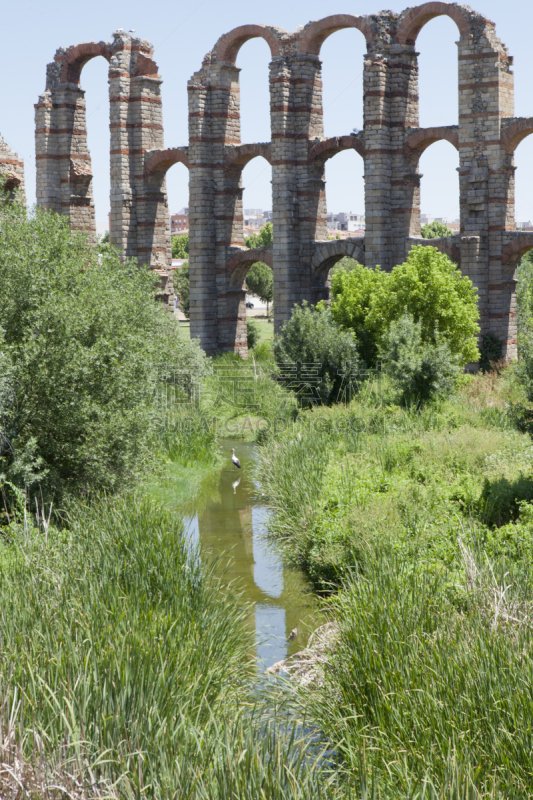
point(390, 145)
point(12, 170)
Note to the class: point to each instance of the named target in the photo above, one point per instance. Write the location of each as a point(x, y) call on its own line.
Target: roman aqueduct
point(390, 144)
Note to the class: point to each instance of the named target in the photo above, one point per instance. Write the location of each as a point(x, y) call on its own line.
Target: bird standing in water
point(235, 459)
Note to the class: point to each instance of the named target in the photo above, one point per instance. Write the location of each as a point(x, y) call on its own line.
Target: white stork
point(235, 459)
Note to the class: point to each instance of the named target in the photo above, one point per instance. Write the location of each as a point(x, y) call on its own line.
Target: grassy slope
point(424, 522)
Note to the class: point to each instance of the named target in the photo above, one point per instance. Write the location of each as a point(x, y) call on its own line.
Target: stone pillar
point(378, 173)
point(310, 178)
point(487, 205)
point(203, 303)
point(285, 207)
point(405, 177)
point(63, 163)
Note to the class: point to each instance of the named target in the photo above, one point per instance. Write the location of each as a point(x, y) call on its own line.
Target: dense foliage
point(428, 286)
point(259, 278)
point(252, 332)
point(265, 237)
point(182, 288)
point(83, 336)
point(435, 230)
point(311, 340)
point(260, 281)
point(420, 370)
point(180, 246)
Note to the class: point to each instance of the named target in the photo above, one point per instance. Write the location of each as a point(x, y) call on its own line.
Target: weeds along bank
point(127, 672)
point(419, 526)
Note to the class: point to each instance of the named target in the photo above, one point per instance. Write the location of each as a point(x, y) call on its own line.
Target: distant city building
point(345, 221)
point(523, 226)
point(179, 223)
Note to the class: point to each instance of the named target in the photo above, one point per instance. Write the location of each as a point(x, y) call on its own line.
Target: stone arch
point(449, 245)
point(228, 46)
point(320, 152)
point(239, 264)
point(315, 34)
point(513, 252)
point(164, 159)
point(327, 254)
point(420, 139)
point(413, 20)
point(325, 257)
point(76, 57)
point(516, 132)
point(240, 155)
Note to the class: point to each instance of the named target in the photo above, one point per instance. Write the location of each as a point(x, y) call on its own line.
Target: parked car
point(249, 305)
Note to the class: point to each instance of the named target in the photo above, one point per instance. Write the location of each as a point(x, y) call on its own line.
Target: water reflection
point(232, 527)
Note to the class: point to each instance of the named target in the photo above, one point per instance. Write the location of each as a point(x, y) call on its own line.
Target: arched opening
point(345, 196)
point(253, 60)
point(177, 178)
point(256, 181)
point(523, 181)
point(342, 92)
point(94, 81)
point(439, 187)
point(331, 254)
point(438, 82)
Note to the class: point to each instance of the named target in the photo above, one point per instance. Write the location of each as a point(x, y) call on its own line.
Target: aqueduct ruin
point(390, 145)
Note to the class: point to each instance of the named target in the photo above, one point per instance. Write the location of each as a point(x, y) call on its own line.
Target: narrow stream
point(229, 524)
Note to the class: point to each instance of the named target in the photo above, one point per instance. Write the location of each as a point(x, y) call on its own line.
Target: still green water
point(228, 523)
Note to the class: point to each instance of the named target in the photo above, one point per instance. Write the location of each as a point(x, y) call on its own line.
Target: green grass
point(266, 330)
point(420, 527)
point(375, 470)
point(423, 690)
point(124, 663)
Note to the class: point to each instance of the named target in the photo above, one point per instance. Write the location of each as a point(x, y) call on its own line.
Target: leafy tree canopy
point(260, 281)
point(82, 336)
point(428, 286)
point(180, 246)
point(264, 238)
point(435, 230)
point(182, 287)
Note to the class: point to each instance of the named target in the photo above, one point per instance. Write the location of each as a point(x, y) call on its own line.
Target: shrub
point(435, 230)
point(311, 341)
point(182, 287)
point(428, 286)
point(88, 344)
point(252, 332)
point(490, 352)
point(420, 370)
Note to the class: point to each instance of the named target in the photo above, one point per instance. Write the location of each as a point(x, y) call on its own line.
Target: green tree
point(524, 291)
point(435, 230)
point(428, 286)
point(420, 370)
point(311, 336)
point(180, 246)
point(353, 290)
point(182, 287)
point(82, 335)
point(264, 238)
point(260, 281)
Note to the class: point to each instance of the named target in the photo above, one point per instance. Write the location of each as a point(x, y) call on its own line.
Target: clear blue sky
point(183, 33)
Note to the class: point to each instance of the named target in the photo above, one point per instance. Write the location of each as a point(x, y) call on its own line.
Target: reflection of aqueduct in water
point(390, 144)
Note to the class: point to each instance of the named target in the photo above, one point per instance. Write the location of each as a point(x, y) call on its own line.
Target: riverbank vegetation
point(401, 486)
